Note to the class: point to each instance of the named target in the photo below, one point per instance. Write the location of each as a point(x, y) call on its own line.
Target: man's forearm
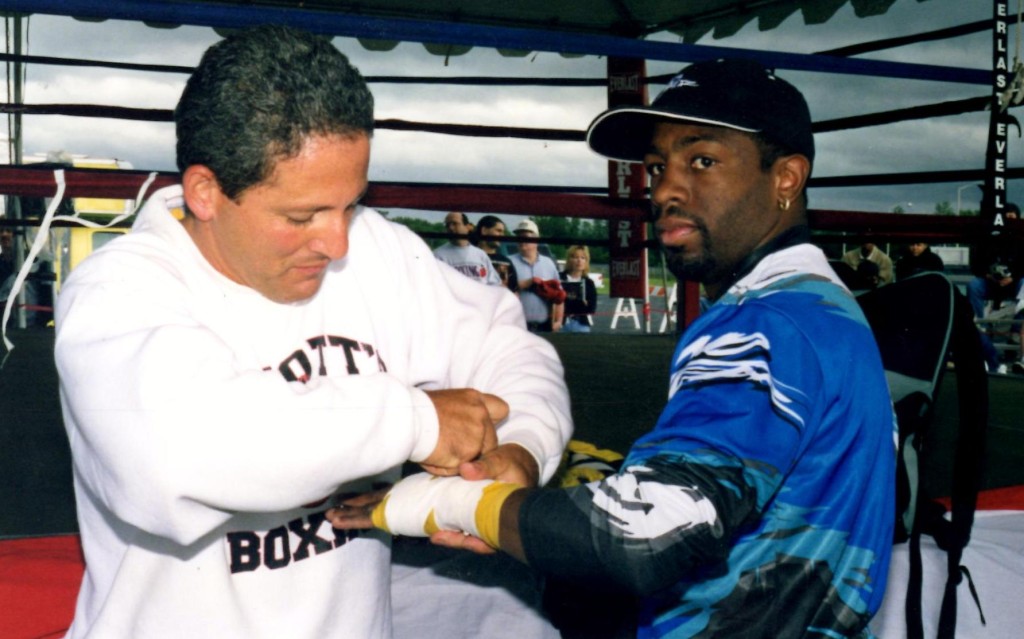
point(557, 313)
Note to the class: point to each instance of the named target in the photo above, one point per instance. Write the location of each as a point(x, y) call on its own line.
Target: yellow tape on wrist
point(488, 510)
point(430, 525)
point(378, 518)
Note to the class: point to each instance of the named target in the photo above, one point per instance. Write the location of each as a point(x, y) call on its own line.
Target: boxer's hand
point(509, 463)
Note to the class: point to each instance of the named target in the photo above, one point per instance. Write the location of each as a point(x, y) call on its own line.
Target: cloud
point(955, 142)
point(118, 40)
point(557, 108)
point(145, 145)
point(93, 86)
point(400, 156)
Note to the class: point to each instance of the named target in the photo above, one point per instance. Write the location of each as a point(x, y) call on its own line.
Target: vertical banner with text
point(627, 261)
point(993, 201)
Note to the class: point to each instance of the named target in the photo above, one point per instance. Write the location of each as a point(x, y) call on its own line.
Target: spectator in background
point(539, 288)
point(6, 254)
point(998, 270)
point(868, 275)
point(37, 287)
point(868, 251)
point(463, 256)
point(918, 259)
point(492, 226)
point(580, 291)
point(1018, 366)
point(6, 266)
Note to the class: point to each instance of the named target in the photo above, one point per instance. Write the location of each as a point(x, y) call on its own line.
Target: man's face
point(279, 236)
point(455, 223)
point(712, 203)
point(527, 249)
point(498, 230)
point(917, 248)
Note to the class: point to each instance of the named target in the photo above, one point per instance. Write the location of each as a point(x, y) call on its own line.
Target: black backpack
point(920, 323)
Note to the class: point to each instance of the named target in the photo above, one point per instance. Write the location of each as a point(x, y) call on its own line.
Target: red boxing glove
point(549, 290)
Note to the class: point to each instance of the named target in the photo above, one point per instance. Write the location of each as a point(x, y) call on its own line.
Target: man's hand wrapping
point(466, 427)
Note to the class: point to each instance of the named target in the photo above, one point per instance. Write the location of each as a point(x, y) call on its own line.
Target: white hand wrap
point(422, 504)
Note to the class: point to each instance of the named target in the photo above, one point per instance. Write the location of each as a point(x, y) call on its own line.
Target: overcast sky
point(955, 142)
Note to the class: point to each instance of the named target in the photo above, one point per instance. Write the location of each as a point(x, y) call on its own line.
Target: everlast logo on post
point(625, 83)
point(625, 268)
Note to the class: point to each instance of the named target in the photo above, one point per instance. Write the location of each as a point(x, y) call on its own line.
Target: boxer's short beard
point(696, 266)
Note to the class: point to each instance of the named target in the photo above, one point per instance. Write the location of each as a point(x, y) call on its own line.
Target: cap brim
point(624, 134)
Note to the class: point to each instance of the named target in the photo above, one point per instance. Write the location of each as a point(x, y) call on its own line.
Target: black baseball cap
point(738, 94)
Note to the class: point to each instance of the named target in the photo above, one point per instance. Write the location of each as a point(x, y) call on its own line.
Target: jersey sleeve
point(640, 529)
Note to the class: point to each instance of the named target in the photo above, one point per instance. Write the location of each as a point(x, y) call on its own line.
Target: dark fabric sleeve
point(513, 278)
point(628, 531)
point(980, 260)
point(591, 295)
point(556, 536)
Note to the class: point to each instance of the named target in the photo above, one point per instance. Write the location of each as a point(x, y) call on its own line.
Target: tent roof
point(570, 27)
point(690, 19)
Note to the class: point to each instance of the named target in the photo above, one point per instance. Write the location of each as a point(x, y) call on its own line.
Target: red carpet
point(39, 579)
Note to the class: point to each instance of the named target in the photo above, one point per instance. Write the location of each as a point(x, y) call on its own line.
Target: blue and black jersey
point(762, 502)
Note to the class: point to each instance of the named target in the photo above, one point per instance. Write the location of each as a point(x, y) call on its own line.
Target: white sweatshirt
point(211, 428)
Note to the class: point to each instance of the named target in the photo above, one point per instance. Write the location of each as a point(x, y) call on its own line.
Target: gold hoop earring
point(784, 204)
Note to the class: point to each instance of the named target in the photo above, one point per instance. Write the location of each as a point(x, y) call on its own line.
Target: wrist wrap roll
point(423, 504)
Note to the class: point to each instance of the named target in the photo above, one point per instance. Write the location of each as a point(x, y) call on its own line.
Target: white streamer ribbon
point(43, 234)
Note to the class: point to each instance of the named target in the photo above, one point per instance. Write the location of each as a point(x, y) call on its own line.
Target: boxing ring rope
point(47, 181)
point(38, 181)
